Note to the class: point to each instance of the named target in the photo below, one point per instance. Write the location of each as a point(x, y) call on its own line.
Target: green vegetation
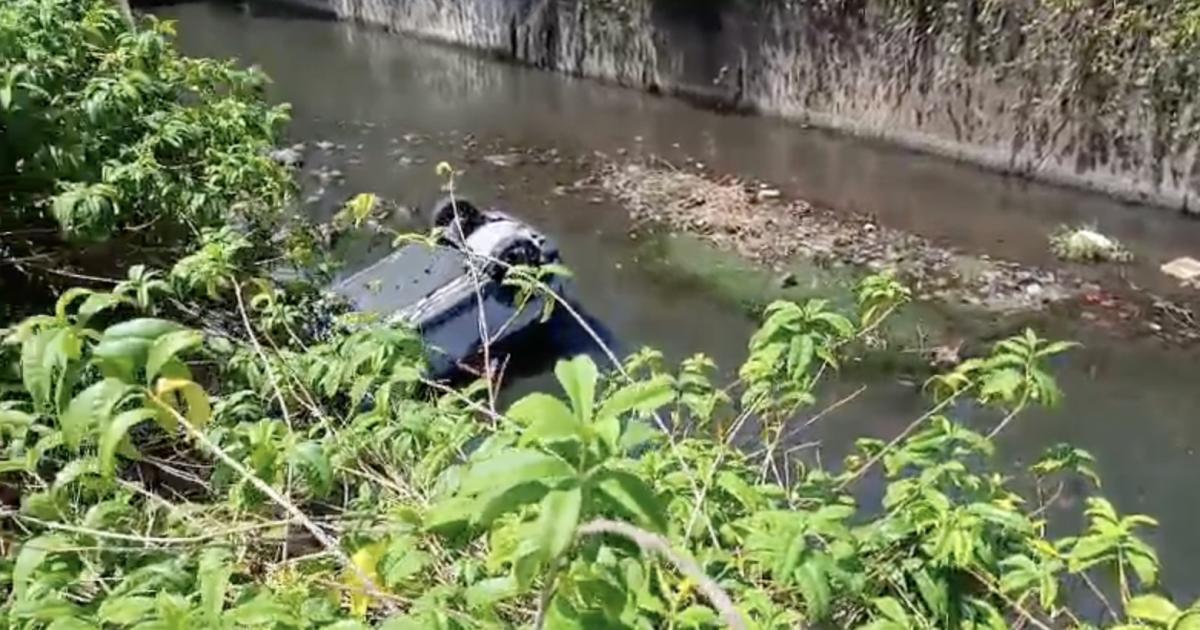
point(181, 450)
point(1086, 244)
point(109, 134)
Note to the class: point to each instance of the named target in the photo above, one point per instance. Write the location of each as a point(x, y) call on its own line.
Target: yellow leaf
point(360, 207)
point(183, 396)
point(366, 560)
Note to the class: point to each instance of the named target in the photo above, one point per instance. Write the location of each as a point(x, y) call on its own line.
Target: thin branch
point(146, 540)
point(653, 543)
point(287, 417)
point(895, 441)
point(297, 514)
point(1016, 606)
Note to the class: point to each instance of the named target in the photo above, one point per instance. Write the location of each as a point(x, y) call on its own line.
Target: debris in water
point(503, 160)
point(768, 194)
point(728, 213)
point(324, 145)
point(290, 158)
point(1085, 244)
point(1184, 268)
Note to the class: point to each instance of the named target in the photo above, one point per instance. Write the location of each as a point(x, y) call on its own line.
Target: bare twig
point(653, 543)
point(1016, 606)
point(287, 418)
point(271, 493)
point(146, 540)
point(896, 440)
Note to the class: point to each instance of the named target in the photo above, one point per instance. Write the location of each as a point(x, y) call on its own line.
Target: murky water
point(400, 106)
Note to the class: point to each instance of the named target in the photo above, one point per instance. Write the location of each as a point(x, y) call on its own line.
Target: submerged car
point(442, 288)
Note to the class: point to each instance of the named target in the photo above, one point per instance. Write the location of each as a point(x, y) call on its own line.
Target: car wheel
point(469, 217)
point(515, 253)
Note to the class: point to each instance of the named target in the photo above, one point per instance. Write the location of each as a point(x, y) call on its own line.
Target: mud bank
point(1060, 92)
point(791, 248)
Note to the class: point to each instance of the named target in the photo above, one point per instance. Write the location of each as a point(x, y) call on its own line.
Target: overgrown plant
point(575, 512)
point(185, 451)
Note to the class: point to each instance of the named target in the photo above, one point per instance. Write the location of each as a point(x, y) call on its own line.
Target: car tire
point(469, 217)
point(521, 251)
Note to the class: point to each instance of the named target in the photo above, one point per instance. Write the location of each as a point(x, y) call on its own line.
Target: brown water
point(400, 106)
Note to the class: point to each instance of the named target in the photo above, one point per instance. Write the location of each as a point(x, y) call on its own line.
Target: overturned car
point(453, 292)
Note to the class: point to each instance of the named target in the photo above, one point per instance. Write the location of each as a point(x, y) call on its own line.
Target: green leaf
point(127, 610)
point(166, 347)
point(813, 579)
point(493, 505)
point(634, 497)
point(96, 303)
point(1151, 608)
point(696, 616)
point(148, 328)
point(120, 358)
point(63, 304)
point(319, 473)
point(1007, 518)
point(213, 575)
point(91, 406)
point(71, 623)
point(1001, 384)
point(644, 396)
point(402, 561)
point(547, 419)
point(1058, 347)
point(578, 378)
point(35, 372)
point(450, 514)
point(73, 470)
point(1190, 620)
point(262, 610)
point(33, 553)
point(484, 593)
point(892, 610)
point(171, 393)
point(558, 519)
point(412, 622)
point(1145, 565)
point(636, 434)
point(111, 436)
point(15, 419)
point(512, 466)
point(347, 624)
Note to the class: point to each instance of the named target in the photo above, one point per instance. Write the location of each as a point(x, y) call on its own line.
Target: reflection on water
point(398, 107)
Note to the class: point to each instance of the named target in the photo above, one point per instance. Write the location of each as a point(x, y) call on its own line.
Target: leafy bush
point(184, 452)
point(173, 478)
point(106, 128)
point(107, 132)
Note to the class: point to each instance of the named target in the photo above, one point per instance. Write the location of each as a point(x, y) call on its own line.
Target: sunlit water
point(1133, 404)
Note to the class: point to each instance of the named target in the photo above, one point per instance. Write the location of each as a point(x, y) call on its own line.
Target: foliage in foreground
point(185, 451)
point(170, 478)
point(107, 132)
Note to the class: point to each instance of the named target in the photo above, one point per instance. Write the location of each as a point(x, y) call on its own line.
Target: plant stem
point(653, 543)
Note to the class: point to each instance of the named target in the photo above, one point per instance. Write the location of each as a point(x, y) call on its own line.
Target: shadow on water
point(397, 107)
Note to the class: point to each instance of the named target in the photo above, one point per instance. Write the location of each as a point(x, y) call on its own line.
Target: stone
point(767, 194)
point(503, 160)
point(788, 280)
point(1184, 268)
point(324, 145)
point(290, 157)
